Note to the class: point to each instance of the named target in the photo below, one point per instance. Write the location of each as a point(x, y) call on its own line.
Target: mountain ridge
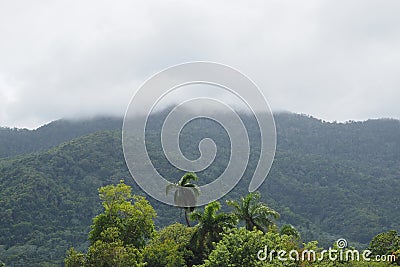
point(317, 182)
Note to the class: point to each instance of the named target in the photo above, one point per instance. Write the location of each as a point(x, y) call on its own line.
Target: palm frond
point(190, 176)
point(168, 188)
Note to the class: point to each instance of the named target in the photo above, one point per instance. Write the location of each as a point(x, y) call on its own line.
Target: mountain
point(14, 141)
point(330, 180)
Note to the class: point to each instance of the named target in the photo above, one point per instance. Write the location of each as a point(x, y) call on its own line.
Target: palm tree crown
point(253, 212)
point(210, 225)
point(186, 193)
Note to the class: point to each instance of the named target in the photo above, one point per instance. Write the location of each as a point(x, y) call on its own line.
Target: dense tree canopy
point(119, 232)
point(386, 243)
point(328, 180)
point(170, 247)
point(131, 215)
point(123, 236)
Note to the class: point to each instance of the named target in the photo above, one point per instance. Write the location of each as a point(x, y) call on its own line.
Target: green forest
point(328, 181)
point(124, 235)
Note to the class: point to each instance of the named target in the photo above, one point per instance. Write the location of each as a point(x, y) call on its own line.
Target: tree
point(186, 193)
point(385, 243)
point(74, 258)
point(289, 230)
point(119, 233)
point(397, 255)
point(253, 212)
point(111, 252)
point(241, 247)
point(165, 254)
point(131, 215)
point(170, 247)
point(209, 227)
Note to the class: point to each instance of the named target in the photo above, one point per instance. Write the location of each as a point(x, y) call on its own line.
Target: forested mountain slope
point(15, 141)
point(330, 180)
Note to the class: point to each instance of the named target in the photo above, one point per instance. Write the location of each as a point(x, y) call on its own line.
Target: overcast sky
point(335, 60)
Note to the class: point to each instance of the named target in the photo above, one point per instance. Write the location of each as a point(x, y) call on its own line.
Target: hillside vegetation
point(329, 180)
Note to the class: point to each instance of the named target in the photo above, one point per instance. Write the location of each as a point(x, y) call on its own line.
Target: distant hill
point(373, 141)
point(330, 180)
point(14, 141)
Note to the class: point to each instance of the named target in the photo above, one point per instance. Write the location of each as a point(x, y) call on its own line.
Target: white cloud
point(336, 60)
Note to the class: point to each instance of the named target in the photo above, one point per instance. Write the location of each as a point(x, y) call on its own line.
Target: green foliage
point(397, 255)
point(22, 141)
point(119, 232)
point(214, 241)
point(48, 200)
point(254, 213)
point(110, 251)
point(134, 221)
point(170, 247)
point(186, 193)
point(74, 258)
point(208, 229)
point(240, 247)
point(329, 180)
point(164, 254)
point(289, 230)
point(385, 243)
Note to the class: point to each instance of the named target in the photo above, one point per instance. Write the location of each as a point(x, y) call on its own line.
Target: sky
point(335, 60)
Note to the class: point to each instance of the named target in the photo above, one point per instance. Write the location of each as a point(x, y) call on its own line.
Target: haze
point(335, 60)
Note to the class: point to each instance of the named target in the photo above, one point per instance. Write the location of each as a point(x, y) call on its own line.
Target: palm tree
point(210, 225)
point(289, 230)
point(186, 193)
point(253, 212)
